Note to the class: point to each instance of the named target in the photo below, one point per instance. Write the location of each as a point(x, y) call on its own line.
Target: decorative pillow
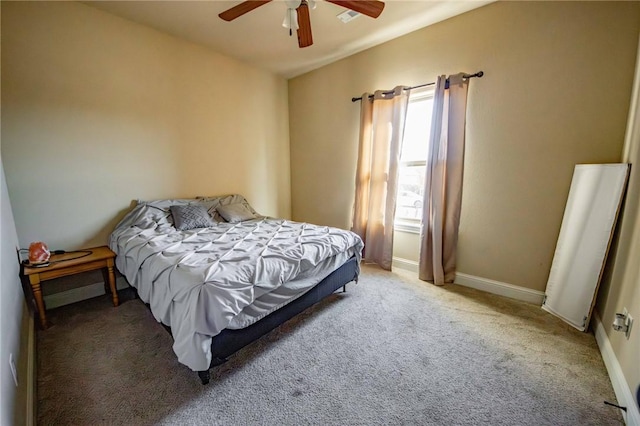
point(234, 213)
point(191, 216)
point(212, 204)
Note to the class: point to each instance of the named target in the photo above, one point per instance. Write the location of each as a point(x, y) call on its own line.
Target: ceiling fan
point(301, 21)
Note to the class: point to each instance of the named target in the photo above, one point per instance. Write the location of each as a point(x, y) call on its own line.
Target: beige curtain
point(381, 129)
point(443, 181)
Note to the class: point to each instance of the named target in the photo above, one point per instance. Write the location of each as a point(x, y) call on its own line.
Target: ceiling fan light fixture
point(290, 20)
point(293, 4)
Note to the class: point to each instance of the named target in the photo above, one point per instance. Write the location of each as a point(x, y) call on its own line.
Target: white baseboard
point(479, 283)
point(407, 265)
point(80, 293)
point(500, 288)
point(620, 386)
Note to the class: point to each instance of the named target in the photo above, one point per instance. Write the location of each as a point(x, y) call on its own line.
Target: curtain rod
point(478, 74)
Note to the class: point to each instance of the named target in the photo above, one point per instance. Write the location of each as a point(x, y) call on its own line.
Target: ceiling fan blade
point(241, 9)
point(372, 8)
point(305, 38)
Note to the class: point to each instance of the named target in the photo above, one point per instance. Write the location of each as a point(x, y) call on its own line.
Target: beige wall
point(622, 288)
point(556, 92)
point(98, 111)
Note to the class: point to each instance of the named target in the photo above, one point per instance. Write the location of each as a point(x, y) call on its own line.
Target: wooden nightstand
point(71, 263)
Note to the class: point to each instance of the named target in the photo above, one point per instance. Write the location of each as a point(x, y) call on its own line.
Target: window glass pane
point(415, 148)
point(416, 132)
point(410, 190)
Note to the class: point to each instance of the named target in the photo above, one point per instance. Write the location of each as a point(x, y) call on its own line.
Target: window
point(413, 160)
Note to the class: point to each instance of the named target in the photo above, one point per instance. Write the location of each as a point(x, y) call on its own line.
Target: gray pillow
point(191, 216)
point(234, 213)
point(212, 204)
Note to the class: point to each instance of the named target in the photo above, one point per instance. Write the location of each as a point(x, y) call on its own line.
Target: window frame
point(406, 224)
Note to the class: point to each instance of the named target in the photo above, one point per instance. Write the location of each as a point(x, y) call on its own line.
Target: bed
point(220, 275)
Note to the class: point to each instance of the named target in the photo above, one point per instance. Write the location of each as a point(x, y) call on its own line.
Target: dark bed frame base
point(229, 341)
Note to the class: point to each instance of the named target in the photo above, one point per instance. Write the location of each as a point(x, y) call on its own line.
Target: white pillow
point(234, 213)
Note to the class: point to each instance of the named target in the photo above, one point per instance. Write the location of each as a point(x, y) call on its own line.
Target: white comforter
point(198, 281)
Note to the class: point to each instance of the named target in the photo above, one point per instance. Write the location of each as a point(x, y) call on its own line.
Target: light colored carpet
point(392, 350)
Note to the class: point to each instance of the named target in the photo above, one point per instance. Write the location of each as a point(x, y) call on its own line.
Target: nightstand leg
point(105, 279)
point(37, 294)
point(112, 282)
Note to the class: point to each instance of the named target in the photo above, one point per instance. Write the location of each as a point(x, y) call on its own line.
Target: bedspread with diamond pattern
point(197, 281)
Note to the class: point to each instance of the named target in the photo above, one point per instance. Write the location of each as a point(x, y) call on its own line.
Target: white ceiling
point(258, 37)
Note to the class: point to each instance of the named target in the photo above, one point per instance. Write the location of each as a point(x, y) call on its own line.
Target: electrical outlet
point(14, 372)
point(628, 322)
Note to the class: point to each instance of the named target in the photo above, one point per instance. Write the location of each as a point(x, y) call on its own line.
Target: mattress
point(201, 281)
